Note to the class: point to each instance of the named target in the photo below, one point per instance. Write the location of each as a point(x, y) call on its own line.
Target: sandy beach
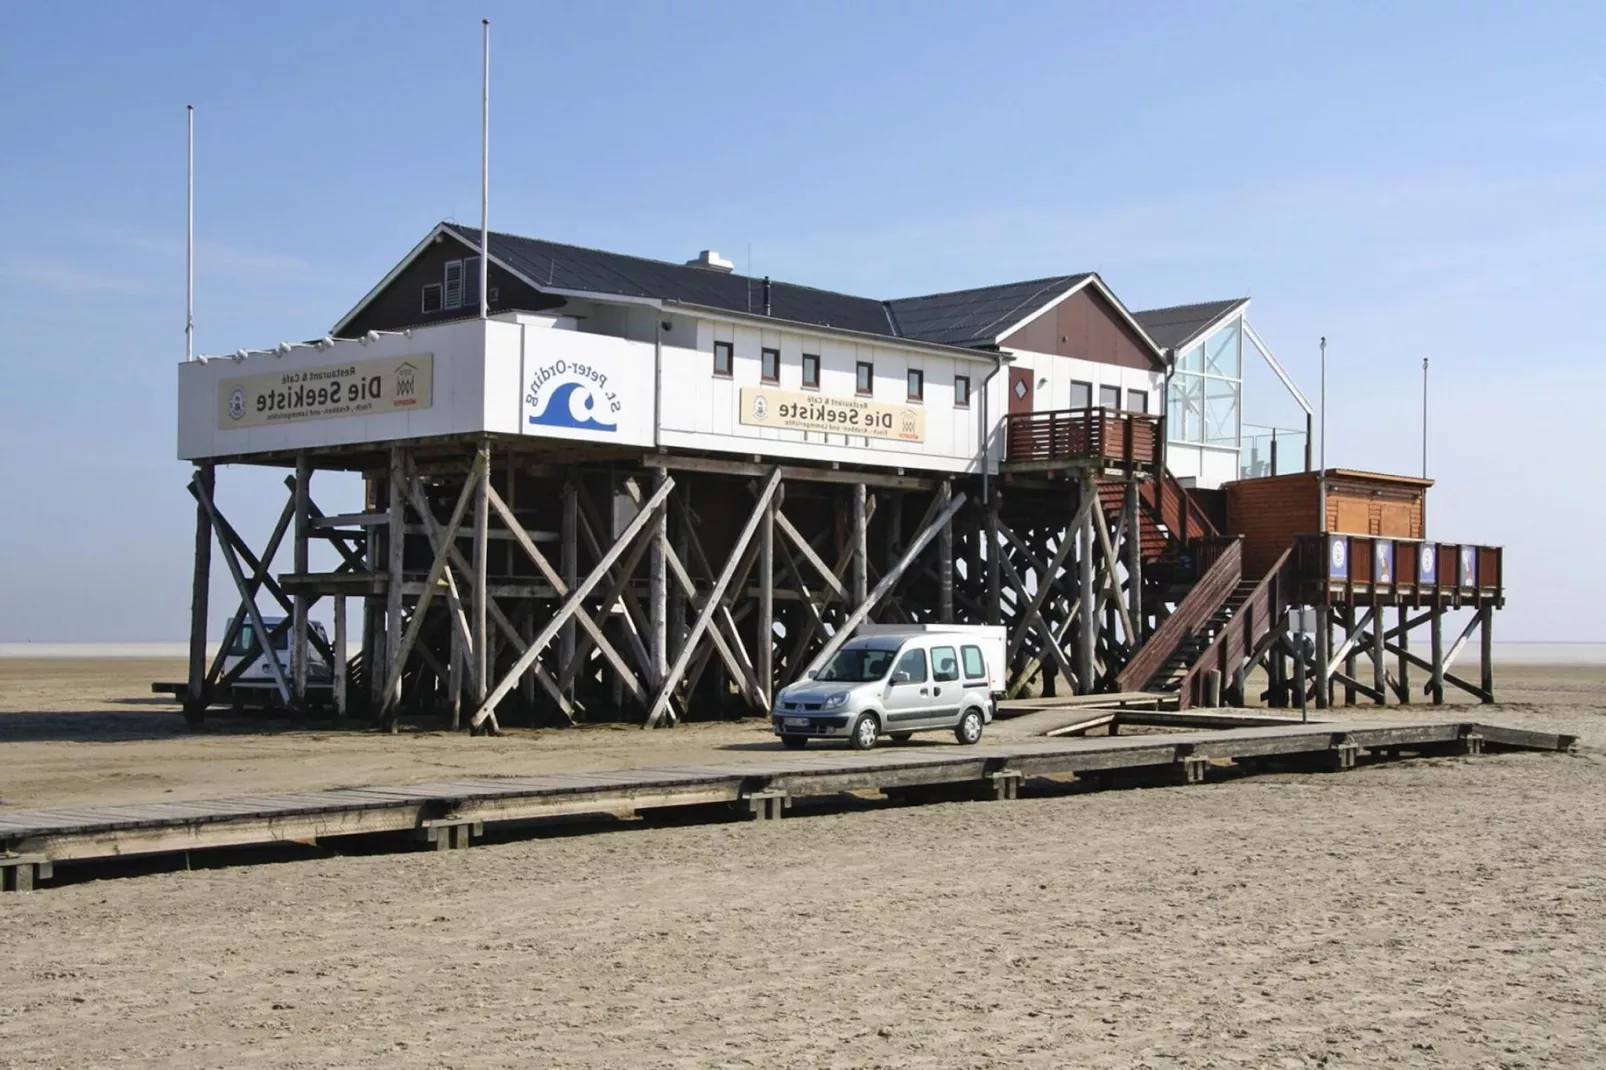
point(1444, 912)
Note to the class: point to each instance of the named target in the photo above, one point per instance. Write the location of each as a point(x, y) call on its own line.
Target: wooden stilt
point(196, 697)
point(995, 576)
point(1324, 648)
point(1486, 651)
point(454, 674)
point(945, 562)
point(569, 563)
point(658, 589)
point(342, 700)
point(861, 552)
point(1087, 627)
point(1403, 638)
point(764, 630)
point(395, 543)
point(1436, 681)
point(299, 643)
point(1379, 656)
point(1351, 654)
point(482, 548)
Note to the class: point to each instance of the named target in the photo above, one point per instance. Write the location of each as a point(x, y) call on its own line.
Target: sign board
point(1469, 566)
point(1337, 557)
point(1382, 561)
point(360, 388)
point(794, 410)
point(592, 387)
point(1302, 620)
point(1427, 566)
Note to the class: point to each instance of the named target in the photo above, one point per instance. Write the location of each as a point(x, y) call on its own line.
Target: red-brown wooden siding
point(1085, 325)
point(1269, 512)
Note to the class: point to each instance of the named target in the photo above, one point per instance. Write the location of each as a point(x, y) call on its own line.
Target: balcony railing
point(1399, 571)
point(1106, 436)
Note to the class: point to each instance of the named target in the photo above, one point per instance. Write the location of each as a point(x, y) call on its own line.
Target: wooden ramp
point(449, 813)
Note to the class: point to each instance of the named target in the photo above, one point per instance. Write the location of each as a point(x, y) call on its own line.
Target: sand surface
point(1446, 912)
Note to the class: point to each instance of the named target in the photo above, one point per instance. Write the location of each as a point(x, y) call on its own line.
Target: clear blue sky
point(1408, 179)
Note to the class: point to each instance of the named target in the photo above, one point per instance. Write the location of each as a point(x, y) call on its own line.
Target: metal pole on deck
point(1424, 417)
point(1321, 464)
point(189, 240)
point(485, 172)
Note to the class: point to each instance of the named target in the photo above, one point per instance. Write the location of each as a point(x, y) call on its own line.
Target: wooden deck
point(448, 813)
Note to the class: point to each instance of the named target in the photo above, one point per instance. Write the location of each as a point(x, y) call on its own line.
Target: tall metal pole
point(1424, 417)
point(485, 173)
point(189, 241)
point(1321, 473)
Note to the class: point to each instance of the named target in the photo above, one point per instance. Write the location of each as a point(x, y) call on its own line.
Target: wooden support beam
point(764, 630)
point(1133, 520)
point(1486, 650)
point(569, 561)
point(715, 597)
point(1032, 617)
point(1435, 686)
point(299, 645)
point(405, 642)
point(247, 597)
point(1450, 678)
point(888, 581)
point(861, 551)
point(945, 561)
point(658, 589)
point(789, 473)
point(1403, 689)
point(1356, 629)
point(995, 576)
point(482, 548)
point(197, 696)
point(1087, 628)
point(1379, 659)
point(826, 573)
point(1112, 584)
point(733, 651)
point(342, 698)
point(572, 603)
point(1350, 653)
point(395, 543)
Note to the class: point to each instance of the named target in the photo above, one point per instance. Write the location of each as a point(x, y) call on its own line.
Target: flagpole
point(485, 173)
point(1424, 417)
point(189, 240)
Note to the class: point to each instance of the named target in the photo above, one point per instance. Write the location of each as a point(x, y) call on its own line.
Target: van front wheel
point(968, 730)
point(865, 731)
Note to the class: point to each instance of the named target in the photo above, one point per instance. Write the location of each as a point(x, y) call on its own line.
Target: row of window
point(1109, 397)
point(863, 379)
point(911, 668)
point(459, 287)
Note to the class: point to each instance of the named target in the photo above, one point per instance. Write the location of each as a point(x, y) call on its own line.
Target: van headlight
point(836, 701)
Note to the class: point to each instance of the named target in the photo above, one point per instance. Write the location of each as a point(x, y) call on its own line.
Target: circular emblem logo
point(237, 404)
point(1338, 553)
point(760, 407)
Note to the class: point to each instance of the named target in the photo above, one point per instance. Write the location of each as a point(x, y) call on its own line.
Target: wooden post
point(861, 552)
point(1436, 627)
point(1134, 564)
point(658, 589)
point(196, 698)
point(341, 698)
point(764, 639)
point(1404, 642)
point(945, 561)
point(395, 543)
point(1486, 651)
point(995, 574)
point(456, 655)
point(1087, 627)
point(1324, 650)
point(1351, 654)
point(482, 547)
point(300, 646)
point(1380, 677)
point(569, 564)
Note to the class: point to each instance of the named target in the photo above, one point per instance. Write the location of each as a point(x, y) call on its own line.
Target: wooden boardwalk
point(449, 813)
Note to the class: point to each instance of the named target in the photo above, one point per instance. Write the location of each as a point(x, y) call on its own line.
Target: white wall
point(1061, 371)
point(1208, 466)
point(700, 409)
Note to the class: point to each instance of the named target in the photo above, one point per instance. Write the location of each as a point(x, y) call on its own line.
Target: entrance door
point(1020, 390)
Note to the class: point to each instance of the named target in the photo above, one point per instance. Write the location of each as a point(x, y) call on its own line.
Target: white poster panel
point(795, 410)
point(360, 388)
point(590, 387)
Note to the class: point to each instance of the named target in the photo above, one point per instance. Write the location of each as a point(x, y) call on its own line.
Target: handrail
point(1251, 623)
point(1126, 438)
point(1199, 606)
point(1176, 508)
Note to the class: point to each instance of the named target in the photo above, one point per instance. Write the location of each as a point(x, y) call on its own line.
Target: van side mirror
point(812, 673)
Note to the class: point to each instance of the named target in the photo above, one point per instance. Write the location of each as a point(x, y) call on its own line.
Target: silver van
point(895, 682)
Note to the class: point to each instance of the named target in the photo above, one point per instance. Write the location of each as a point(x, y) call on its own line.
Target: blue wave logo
point(571, 405)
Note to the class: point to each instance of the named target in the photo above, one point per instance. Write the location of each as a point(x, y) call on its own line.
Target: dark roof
point(1174, 327)
point(975, 317)
point(550, 265)
point(960, 318)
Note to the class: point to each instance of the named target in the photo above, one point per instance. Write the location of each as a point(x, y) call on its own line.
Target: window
point(811, 369)
point(723, 359)
point(961, 391)
point(1137, 401)
point(944, 664)
point(454, 284)
point(769, 361)
point(471, 281)
point(1081, 395)
point(975, 664)
point(911, 668)
point(917, 384)
point(1110, 397)
point(432, 297)
point(864, 378)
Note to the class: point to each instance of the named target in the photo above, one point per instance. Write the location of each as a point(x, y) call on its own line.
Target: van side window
point(975, 664)
point(944, 664)
point(911, 668)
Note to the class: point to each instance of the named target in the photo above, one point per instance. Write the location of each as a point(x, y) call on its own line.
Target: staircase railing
point(1176, 508)
point(1191, 613)
point(1242, 639)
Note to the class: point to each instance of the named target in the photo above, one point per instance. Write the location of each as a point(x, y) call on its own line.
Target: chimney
point(709, 260)
point(766, 295)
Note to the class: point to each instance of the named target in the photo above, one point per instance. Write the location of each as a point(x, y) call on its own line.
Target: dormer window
point(432, 298)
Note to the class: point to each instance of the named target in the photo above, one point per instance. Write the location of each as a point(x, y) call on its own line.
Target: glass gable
point(1203, 400)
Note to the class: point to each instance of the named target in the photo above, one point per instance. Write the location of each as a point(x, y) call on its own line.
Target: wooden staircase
point(1169, 517)
point(1186, 628)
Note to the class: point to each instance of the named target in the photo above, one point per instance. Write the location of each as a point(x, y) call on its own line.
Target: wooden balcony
point(1094, 438)
point(1338, 569)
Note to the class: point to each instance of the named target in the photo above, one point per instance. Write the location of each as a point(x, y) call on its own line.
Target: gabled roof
point(979, 316)
point(962, 318)
point(1175, 327)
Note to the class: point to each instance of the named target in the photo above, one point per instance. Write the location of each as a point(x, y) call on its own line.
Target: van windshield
point(857, 665)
